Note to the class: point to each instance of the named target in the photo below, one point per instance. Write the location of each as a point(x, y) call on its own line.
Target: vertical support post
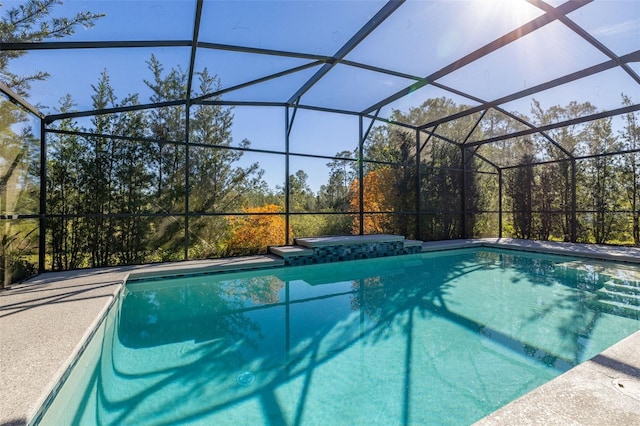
point(418, 188)
point(574, 218)
point(287, 131)
point(500, 184)
point(42, 238)
point(187, 150)
point(361, 174)
point(463, 195)
point(187, 188)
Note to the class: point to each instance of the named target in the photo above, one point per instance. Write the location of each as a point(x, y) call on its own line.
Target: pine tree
point(219, 182)
point(630, 164)
point(65, 169)
point(33, 21)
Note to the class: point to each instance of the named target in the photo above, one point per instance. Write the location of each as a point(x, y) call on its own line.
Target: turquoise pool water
point(440, 338)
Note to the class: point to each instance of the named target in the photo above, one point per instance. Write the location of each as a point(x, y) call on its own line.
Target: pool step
point(631, 288)
point(286, 251)
point(619, 296)
point(618, 308)
point(619, 299)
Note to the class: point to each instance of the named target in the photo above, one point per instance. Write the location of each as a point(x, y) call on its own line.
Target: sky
point(420, 38)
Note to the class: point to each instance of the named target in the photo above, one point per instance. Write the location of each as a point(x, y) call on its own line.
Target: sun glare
point(485, 19)
point(512, 10)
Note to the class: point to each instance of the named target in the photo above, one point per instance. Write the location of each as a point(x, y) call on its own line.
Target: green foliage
point(66, 166)
point(102, 190)
point(320, 224)
point(32, 21)
point(18, 194)
point(520, 187)
point(301, 197)
point(113, 201)
point(602, 185)
point(630, 168)
point(454, 191)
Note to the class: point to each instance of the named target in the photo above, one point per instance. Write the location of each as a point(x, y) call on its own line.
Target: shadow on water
point(186, 351)
point(577, 312)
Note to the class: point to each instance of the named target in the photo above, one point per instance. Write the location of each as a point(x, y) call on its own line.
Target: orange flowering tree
point(378, 197)
point(254, 233)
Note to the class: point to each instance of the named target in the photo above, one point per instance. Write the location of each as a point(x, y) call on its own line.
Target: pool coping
point(46, 321)
point(347, 240)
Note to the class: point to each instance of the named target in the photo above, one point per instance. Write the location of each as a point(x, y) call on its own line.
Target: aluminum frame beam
point(586, 36)
point(579, 120)
point(366, 29)
point(258, 81)
point(19, 100)
point(194, 49)
point(586, 72)
point(500, 42)
point(90, 113)
point(57, 45)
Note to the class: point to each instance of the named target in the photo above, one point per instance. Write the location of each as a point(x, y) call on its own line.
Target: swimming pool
point(440, 338)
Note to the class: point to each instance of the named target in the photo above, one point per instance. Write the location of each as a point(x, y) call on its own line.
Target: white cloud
point(622, 28)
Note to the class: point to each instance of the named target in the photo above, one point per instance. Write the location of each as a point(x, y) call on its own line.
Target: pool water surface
point(434, 338)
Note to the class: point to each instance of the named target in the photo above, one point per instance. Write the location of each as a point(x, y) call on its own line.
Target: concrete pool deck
point(45, 321)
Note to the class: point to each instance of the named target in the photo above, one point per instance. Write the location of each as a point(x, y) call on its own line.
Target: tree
point(387, 144)
point(17, 148)
point(18, 192)
point(98, 174)
point(443, 170)
point(167, 124)
point(113, 185)
point(520, 191)
point(441, 190)
point(601, 187)
point(378, 197)
point(131, 195)
point(219, 182)
point(545, 199)
point(396, 145)
point(65, 159)
point(300, 194)
point(253, 233)
point(92, 179)
point(573, 140)
point(630, 164)
point(334, 195)
point(33, 22)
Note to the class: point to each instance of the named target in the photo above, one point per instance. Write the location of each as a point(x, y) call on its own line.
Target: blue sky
point(419, 39)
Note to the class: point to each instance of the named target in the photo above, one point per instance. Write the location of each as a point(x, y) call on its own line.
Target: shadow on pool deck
point(42, 323)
